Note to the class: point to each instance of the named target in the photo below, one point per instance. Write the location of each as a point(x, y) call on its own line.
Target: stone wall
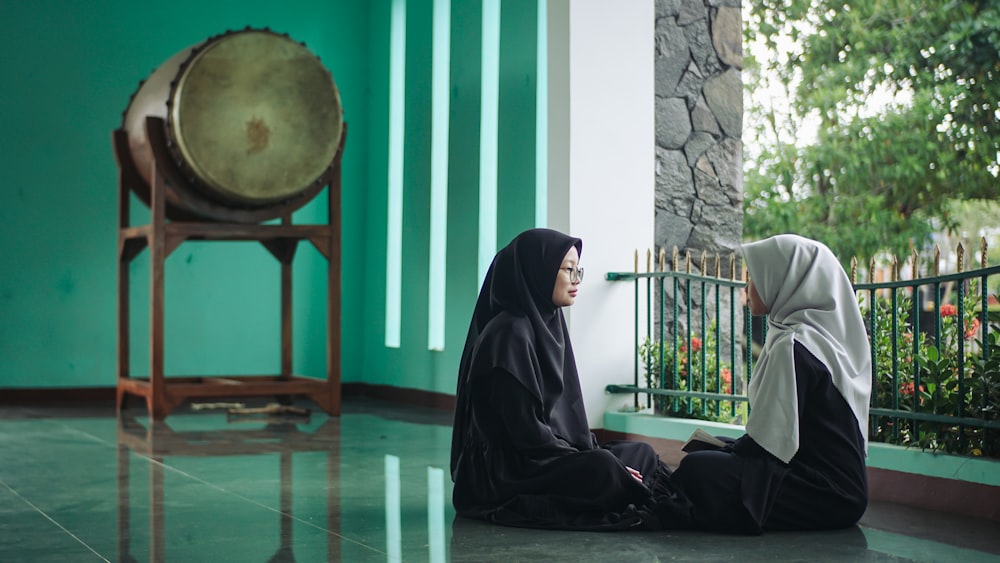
point(699, 152)
point(699, 122)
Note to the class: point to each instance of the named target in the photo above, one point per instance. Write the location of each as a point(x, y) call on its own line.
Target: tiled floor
point(77, 484)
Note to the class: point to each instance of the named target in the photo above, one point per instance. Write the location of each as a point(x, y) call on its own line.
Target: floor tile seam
point(45, 515)
point(179, 471)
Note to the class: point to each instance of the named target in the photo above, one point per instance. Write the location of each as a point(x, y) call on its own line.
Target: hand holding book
point(701, 440)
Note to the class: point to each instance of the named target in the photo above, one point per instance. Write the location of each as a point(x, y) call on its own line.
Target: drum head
point(256, 117)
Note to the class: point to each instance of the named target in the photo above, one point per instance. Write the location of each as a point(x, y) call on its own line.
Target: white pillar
point(601, 159)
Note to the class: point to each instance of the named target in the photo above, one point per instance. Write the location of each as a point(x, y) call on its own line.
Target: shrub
point(952, 370)
point(697, 370)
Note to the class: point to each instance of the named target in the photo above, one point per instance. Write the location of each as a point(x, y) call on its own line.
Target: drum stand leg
point(157, 402)
point(333, 286)
point(120, 143)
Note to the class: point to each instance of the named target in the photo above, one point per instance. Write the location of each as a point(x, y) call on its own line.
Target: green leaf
point(932, 354)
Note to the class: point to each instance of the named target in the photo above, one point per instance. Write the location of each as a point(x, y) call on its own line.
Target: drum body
point(253, 122)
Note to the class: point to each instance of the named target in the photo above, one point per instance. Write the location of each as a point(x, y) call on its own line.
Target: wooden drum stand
point(164, 394)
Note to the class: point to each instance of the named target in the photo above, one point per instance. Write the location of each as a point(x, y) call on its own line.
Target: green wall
point(412, 365)
point(69, 69)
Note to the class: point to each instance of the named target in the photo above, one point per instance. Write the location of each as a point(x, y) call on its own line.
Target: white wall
point(601, 159)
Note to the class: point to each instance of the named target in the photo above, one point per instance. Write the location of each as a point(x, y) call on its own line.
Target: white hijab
point(810, 301)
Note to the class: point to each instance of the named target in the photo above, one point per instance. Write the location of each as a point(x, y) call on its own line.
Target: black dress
point(522, 451)
point(743, 488)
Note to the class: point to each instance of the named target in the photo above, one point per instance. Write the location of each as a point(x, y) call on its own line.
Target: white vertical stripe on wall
point(488, 131)
point(394, 235)
point(542, 119)
point(440, 86)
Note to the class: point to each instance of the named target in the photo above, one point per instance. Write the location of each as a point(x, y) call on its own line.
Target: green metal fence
point(935, 345)
point(692, 364)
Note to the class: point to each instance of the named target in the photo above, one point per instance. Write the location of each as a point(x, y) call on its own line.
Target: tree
point(876, 177)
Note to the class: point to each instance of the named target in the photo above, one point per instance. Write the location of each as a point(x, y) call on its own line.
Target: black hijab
point(516, 297)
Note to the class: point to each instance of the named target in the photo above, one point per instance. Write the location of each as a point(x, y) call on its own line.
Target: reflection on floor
point(79, 484)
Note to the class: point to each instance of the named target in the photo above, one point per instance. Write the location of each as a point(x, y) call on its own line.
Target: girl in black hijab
point(522, 453)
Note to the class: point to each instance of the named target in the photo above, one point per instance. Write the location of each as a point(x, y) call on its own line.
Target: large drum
point(253, 121)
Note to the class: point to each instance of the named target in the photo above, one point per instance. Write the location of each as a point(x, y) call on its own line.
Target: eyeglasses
point(575, 274)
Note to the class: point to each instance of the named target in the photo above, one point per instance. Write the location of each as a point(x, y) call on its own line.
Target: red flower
point(727, 376)
point(906, 389)
point(971, 328)
point(695, 345)
point(948, 310)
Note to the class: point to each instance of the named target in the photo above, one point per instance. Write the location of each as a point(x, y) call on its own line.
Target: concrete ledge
point(985, 471)
point(908, 476)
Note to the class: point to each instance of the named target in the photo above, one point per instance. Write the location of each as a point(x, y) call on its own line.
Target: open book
point(701, 440)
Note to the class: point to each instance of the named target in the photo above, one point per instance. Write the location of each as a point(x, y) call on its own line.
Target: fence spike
point(675, 258)
point(663, 259)
point(961, 258)
point(649, 260)
point(718, 265)
point(854, 270)
point(937, 260)
point(871, 270)
point(983, 247)
point(704, 262)
point(895, 268)
point(914, 263)
point(732, 266)
point(687, 261)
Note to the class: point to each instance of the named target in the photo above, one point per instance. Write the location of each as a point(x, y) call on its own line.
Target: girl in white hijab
point(801, 464)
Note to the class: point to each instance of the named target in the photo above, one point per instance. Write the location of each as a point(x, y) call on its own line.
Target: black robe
point(522, 451)
point(744, 489)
